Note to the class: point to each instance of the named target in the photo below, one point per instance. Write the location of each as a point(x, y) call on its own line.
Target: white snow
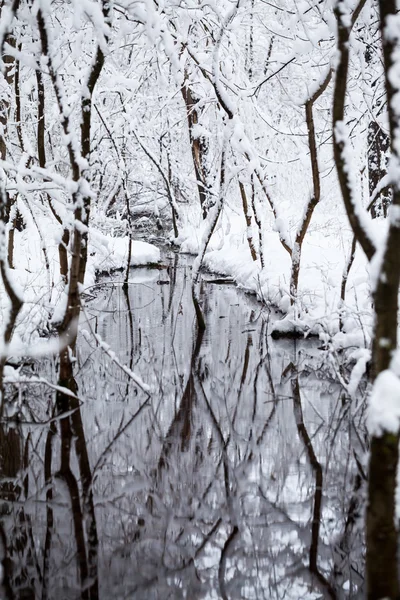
point(384, 404)
point(109, 253)
point(322, 263)
point(44, 292)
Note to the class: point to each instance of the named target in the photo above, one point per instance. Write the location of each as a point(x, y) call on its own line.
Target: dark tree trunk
point(378, 146)
point(381, 534)
point(198, 146)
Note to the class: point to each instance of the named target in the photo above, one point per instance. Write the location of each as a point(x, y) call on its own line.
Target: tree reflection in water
point(239, 477)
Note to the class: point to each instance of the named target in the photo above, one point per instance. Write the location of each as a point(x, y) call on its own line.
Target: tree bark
point(381, 534)
point(198, 145)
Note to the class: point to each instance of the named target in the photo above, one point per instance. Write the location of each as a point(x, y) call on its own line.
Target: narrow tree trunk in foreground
point(381, 534)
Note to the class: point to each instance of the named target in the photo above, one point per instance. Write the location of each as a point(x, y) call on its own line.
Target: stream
point(239, 475)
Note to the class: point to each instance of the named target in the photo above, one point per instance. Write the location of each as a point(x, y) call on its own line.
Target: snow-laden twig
point(17, 380)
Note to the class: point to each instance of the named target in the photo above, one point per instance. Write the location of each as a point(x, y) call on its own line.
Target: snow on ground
point(108, 253)
point(323, 258)
point(325, 248)
point(384, 404)
point(43, 290)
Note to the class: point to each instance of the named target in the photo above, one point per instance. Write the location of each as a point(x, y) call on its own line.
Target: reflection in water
point(240, 476)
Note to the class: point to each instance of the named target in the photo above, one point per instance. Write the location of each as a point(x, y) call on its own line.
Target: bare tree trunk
point(378, 146)
point(250, 48)
point(338, 121)
point(212, 222)
point(381, 535)
point(315, 198)
point(198, 145)
point(345, 277)
point(130, 226)
point(247, 216)
point(12, 294)
point(11, 233)
point(5, 107)
point(377, 156)
point(41, 150)
point(258, 221)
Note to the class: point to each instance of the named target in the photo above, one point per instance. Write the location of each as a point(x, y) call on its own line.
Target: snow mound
point(108, 253)
point(384, 404)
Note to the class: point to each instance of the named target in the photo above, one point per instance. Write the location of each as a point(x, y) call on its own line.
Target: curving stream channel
point(239, 476)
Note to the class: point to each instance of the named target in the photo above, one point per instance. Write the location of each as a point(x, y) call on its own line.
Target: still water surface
point(238, 476)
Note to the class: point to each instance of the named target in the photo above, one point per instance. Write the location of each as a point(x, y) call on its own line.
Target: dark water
point(238, 476)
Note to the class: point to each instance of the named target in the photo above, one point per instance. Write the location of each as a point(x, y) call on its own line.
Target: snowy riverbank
point(325, 251)
point(42, 289)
